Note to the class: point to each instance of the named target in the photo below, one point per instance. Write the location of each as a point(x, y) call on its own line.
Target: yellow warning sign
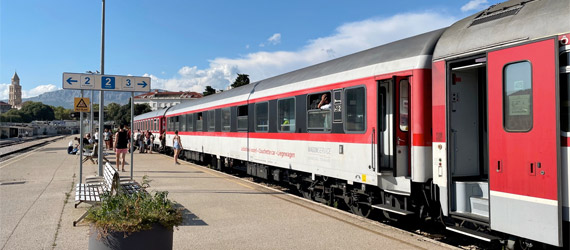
point(81, 105)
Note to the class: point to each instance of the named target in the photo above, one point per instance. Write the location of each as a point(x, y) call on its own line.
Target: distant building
point(15, 92)
point(159, 100)
point(4, 107)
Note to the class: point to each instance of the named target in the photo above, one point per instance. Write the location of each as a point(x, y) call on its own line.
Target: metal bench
point(91, 191)
point(93, 155)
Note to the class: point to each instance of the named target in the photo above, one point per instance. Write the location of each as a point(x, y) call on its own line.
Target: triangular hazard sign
point(81, 104)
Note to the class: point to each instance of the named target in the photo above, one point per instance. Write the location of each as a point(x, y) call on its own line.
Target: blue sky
point(187, 45)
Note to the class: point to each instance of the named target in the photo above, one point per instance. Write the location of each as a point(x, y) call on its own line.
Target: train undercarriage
point(365, 200)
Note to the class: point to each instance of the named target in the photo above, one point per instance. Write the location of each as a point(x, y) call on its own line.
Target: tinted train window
point(261, 117)
point(226, 119)
point(183, 123)
point(319, 112)
point(189, 122)
point(242, 118)
point(565, 101)
point(404, 105)
point(199, 121)
point(355, 109)
point(517, 97)
point(286, 115)
point(212, 120)
point(176, 123)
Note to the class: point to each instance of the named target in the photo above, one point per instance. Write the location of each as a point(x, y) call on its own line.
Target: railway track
point(13, 148)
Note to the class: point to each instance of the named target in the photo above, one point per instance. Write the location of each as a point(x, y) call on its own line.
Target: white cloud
point(348, 38)
point(475, 5)
point(4, 91)
point(275, 39)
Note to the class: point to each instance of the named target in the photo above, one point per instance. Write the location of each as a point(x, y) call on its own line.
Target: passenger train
point(469, 124)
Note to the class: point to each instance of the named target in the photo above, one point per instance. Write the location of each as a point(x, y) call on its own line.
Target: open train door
point(524, 142)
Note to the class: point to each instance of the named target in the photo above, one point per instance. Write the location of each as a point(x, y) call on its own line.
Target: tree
point(61, 113)
point(38, 111)
point(242, 79)
point(209, 91)
point(15, 115)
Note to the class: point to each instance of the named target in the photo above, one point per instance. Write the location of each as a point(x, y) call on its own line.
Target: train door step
point(392, 209)
point(473, 233)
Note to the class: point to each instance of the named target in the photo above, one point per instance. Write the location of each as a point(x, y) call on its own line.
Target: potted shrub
point(133, 221)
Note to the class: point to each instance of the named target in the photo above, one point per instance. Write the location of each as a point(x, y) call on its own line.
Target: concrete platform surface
point(221, 211)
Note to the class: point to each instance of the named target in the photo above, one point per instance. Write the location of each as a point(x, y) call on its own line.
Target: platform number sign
point(108, 82)
point(128, 83)
point(87, 81)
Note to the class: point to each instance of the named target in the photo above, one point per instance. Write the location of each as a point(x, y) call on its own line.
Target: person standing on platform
point(177, 146)
point(107, 139)
point(121, 146)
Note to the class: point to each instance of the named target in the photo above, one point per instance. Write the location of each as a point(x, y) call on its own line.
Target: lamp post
point(102, 93)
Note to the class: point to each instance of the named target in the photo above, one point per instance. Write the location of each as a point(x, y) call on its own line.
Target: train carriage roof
point(509, 22)
point(419, 45)
point(151, 114)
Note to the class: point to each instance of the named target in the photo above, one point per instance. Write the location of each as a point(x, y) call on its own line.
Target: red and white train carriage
point(500, 112)
point(492, 90)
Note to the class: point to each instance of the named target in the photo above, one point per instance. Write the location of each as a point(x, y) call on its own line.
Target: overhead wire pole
point(102, 93)
point(132, 131)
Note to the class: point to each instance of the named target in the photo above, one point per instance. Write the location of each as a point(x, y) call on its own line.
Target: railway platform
point(220, 211)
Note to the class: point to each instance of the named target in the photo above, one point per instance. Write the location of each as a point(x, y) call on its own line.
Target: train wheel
point(360, 204)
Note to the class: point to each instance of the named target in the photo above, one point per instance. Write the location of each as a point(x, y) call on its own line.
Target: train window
point(190, 122)
point(286, 115)
point(211, 120)
point(262, 117)
point(226, 119)
point(319, 112)
point(565, 101)
point(383, 103)
point(517, 97)
point(404, 105)
point(199, 121)
point(183, 123)
point(176, 123)
point(355, 109)
point(242, 118)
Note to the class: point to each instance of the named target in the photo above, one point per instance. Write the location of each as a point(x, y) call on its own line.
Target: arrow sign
point(143, 84)
point(70, 81)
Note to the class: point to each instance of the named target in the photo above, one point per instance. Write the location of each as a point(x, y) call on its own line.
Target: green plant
point(134, 212)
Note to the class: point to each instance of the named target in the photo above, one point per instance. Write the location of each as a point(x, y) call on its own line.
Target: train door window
point(190, 122)
point(169, 124)
point(565, 89)
point(383, 104)
point(404, 105)
point(212, 120)
point(355, 109)
point(262, 117)
point(319, 112)
point(517, 97)
point(199, 121)
point(242, 118)
point(286, 115)
point(226, 119)
point(183, 123)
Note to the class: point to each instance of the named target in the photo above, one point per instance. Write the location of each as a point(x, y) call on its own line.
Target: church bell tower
point(15, 92)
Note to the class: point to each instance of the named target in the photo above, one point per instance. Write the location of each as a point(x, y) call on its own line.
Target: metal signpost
point(105, 83)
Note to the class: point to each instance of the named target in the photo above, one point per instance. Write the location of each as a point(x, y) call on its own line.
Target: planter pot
point(158, 237)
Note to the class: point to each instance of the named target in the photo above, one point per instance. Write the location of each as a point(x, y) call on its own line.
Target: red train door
point(524, 142)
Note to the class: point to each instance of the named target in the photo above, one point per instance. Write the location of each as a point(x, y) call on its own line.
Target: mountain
point(64, 97)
